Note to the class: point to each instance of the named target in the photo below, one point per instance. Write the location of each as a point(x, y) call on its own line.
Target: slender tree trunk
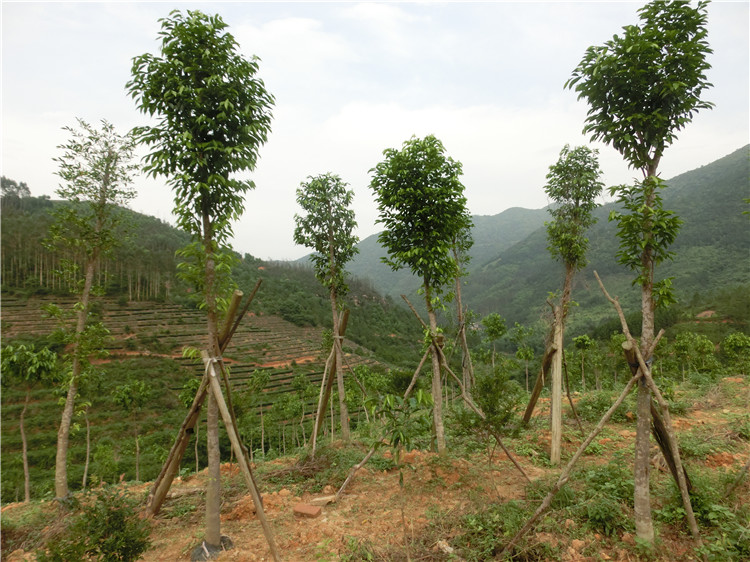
point(24, 448)
point(213, 486)
point(560, 314)
point(437, 394)
point(556, 387)
point(642, 496)
point(467, 369)
point(137, 456)
point(84, 482)
point(63, 433)
point(197, 428)
point(343, 410)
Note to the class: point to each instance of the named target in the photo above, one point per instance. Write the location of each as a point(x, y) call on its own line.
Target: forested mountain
point(144, 267)
point(492, 234)
point(514, 275)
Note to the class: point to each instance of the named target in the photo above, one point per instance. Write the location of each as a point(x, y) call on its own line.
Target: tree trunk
point(467, 369)
point(642, 496)
point(137, 457)
point(24, 448)
point(437, 394)
point(213, 486)
point(339, 363)
point(63, 433)
point(556, 387)
point(84, 482)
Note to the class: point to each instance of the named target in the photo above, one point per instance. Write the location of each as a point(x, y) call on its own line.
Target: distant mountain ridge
point(511, 271)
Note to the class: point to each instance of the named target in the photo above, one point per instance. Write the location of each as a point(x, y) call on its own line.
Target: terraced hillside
point(146, 344)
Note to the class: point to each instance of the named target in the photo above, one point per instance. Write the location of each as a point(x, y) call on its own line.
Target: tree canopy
point(327, 227)
point(213, 115)
point(645, 85)
point(422, 206)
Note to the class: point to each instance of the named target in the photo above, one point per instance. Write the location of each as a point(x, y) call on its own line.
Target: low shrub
point(108, 529)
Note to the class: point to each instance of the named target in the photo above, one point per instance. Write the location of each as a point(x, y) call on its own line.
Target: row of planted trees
point(212, 114)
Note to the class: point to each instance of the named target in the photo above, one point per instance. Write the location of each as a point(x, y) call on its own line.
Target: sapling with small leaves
point(29, 367)
point(96, 172)
point(327, 227)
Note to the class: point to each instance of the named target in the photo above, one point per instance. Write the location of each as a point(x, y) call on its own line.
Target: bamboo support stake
point(234, 304)
point(238, 451)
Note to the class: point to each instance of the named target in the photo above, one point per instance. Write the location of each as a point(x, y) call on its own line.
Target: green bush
point(108, 529)
point(593, 405)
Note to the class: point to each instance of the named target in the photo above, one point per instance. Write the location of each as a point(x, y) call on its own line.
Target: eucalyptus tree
point(212, 114)
point(643, 87)
point(96, 172)
point(422, 206)
point(573, 186)
point(327, 227)
point(28, 366)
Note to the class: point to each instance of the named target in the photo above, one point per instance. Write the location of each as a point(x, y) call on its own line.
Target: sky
point(351, 80)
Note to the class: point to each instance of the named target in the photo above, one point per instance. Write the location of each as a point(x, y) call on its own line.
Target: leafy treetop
point(645, 85)
point(327, 227)
point(573, 185)
point(423, 208)
point(213, 114)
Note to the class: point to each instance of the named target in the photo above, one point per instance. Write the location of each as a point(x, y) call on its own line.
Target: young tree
point(572, 185)
point(524, 352)
point(583, 343)
point(212, 116)
point(494, 329)
point(462, 243)
point(642, 88)
point(327, 227)
point(26, 365)
point(95, 168)
point(423, 209)
point(132, 397)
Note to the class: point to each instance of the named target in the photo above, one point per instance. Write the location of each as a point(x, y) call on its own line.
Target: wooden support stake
point(223, 344)
point(565, 474)
point(234, 304)
point(644, 370)
point(238, 451)
point(327, 385)
point(169, 470)
point(549, 352)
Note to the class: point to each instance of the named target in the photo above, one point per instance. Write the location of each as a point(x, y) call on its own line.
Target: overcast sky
point(352, 79)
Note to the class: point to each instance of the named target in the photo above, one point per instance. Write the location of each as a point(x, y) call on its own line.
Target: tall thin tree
point(573, 186)
point(212, 116)
point(643, 87)
point(423, 209)
point(95, 168)
point(328, 228)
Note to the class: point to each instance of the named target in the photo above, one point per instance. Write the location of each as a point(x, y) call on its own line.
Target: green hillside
point(512, 271)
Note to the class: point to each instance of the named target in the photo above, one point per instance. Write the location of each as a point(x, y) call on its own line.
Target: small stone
point(569, 524)
point(577, 544)
point(323, 500)
point(307, 510)
point(328, 490)
point(284, 493)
